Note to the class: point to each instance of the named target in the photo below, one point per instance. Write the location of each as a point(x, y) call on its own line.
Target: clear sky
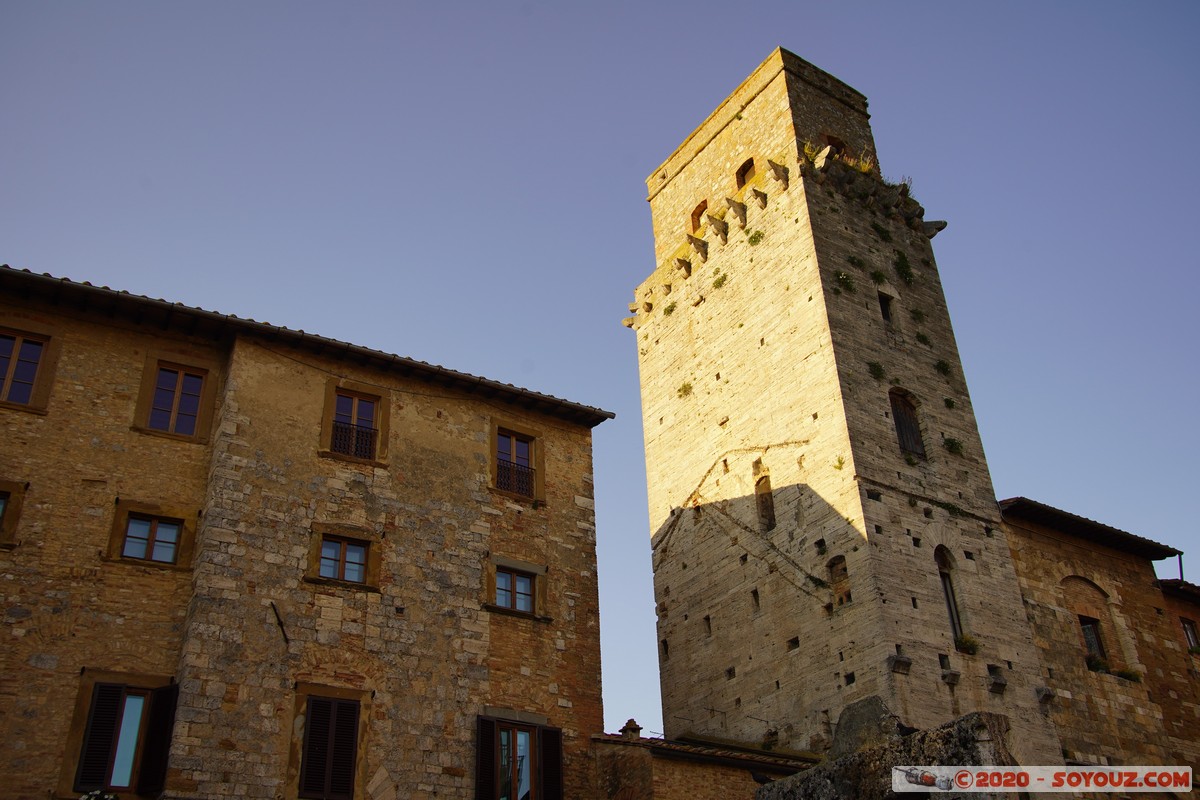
point(463, 183)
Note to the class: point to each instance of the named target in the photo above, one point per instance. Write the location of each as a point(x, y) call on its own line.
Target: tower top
point(816, 98)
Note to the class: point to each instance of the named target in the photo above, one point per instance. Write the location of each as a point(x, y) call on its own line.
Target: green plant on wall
point(876, 370)
point(953, 446)
point(942, 367)
point(918, 316)
point(923, 339)
point(878, 277)
point(966, 644)
point(882, 232)
point(903, 268)
point(855, 261)
point(684, 390)
point(755, 237)
point(845, 281)
point(669, 310)
point(948, 401)
point(720, 281)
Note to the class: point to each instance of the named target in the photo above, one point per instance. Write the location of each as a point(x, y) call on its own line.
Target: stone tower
point(824, 524)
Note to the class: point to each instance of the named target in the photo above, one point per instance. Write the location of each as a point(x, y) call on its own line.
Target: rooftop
point(1084, 528)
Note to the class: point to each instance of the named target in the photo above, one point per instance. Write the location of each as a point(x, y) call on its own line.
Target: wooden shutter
point(99, 737)
point(550, 756)
point(152, 775)
point(330, 749)
point(485, 760)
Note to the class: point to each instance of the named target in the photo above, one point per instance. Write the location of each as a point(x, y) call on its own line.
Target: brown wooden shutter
point(99, 737)
point(330, 748)
point(152, 775)
point(551, 758)
point(485, 760)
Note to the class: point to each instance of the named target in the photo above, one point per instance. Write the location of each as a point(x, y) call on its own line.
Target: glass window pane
point(192, 384)
point(127, 736)
point(355, 572)
point(504, 447)
point(25, 371)
point(6, 347)
point(505, 765)
point(189, 403)
point(329, 567)
point(343, 409)
point(160, 420)
point(164, 399)
point(167, 378)
point(167, 532)
point(524, 761)
point(164, 552)
point(19, 392)
point(366, 413)
point(185, 424)
point(356, 554)
point(524, 593)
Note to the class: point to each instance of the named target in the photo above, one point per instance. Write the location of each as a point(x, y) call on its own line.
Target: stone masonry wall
point(1101, 717)
point(70, 608)
point(421, 649)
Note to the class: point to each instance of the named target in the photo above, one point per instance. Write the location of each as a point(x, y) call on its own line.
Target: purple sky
point(463, 183)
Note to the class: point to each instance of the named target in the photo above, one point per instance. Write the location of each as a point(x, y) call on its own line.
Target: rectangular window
point(354, 427)
point(20, 355)
point(327, 766)
point(518, 761)
point(343, 559)
point(150, 538)
point(127, 738)
point(1190, 634)
point(176, 404)
point(1091, 637)
point(515, 590)
point(514, 463)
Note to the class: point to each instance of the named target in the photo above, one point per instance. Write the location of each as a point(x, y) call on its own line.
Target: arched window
point(765, 502)
point(945, 567)
point(1097, 633)
point(745, 172)
point(698, 215)
point(908, 428)
point(837, 144)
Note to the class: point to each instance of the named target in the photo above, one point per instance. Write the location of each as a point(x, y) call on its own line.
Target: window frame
point(1191, 636)
point(13, 493)
point(349, 534)
point(149, 763)
point(536, 441)
point(382, 418)
point(546, 772)
point(43, 378)
point(183, 363)
point(536, 572)
point(945, 565)
point(299, 731)
point(907, 422)
point(1093, 646)
point(133, 509)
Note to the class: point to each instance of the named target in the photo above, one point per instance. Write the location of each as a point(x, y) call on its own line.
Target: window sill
point(39, 410)
point(146, 563)
point(178, 437)
point(510, 612)
point(535, 502)
point(340, 584)
point(366, 462)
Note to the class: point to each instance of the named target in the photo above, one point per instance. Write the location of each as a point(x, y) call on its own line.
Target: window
point(885, 307)
point(514, 463)
point(839, 580)
point(344, 555)
point(356, 422)
point(518, 761)
point(20, 355)
point(126, 724)
point(516, 586)
point(26, 369)
point(343, 559)
point(145, 533)
point(354, 426)
point(514, 590)
point(327, 766)
point(176, 402)
point(745, 172)
point(152, 538)
point(1189, 633)
point(11, 496)
point(698, 215)
point(945, 566)
point(908, 428)
point(1091, 637)
point(177, 395)
point(765, 503)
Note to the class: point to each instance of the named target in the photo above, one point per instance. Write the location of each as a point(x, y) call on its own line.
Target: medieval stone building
point(244, 561)
point(824, 525)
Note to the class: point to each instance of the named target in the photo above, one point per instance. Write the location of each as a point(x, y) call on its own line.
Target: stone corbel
point(720, 226)
point(779, 172)
point(738, 210)
point(759, 197)
point(700, 246)
point(685, 266)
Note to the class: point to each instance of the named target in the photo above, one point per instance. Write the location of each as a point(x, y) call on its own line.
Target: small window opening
point(754, 599)
point(745, 172)
point(944, 660)
point(849, 678)
point(874, 495)
point(908, 426)
point(885, 307)
point(793, 644)
point(743, 558)
point(942, 556)
point(708, 626)
point(914, 602)
point(1091, 638)
point(666, 647)
point(731, 673)
point(765, 502)
point(698, 215)
point(879, 529)
point(969, 555)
